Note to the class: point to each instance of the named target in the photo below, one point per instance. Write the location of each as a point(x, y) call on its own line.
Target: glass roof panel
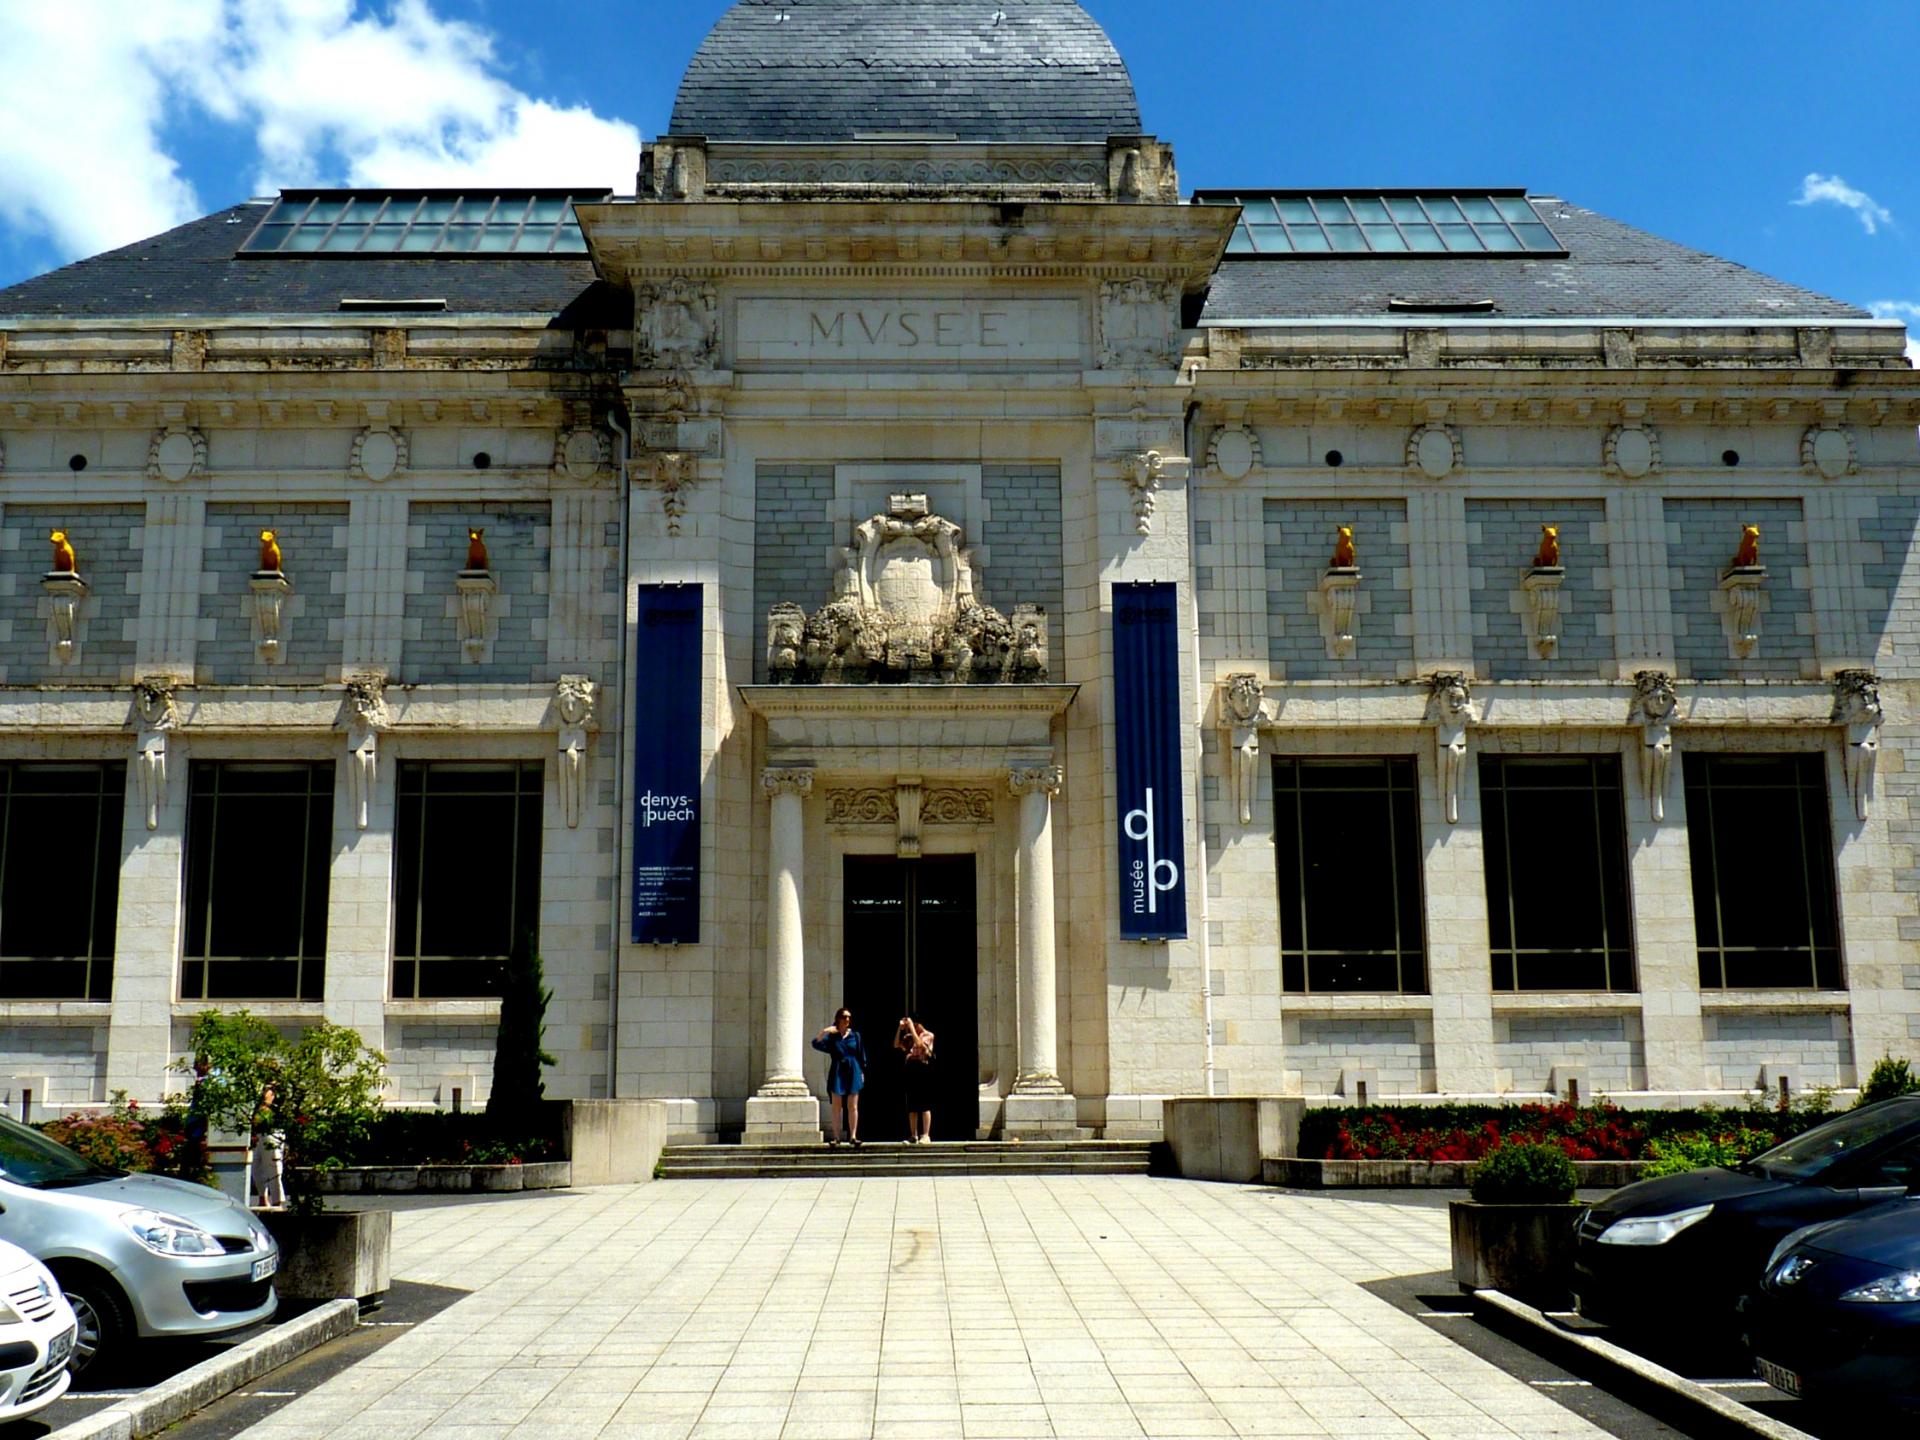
point(1359, 223)
point(521, 222)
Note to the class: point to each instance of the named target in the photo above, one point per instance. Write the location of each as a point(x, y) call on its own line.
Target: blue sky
point(1699, 120)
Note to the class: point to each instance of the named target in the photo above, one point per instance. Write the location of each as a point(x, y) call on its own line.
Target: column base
point(782, 1120)
point(1041, 1117)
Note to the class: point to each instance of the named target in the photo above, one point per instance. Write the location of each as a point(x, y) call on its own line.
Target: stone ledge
point(442, 1179)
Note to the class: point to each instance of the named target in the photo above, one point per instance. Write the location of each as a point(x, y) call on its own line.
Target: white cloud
point(1817, 189)
point(1909, 311)
point(326, 93)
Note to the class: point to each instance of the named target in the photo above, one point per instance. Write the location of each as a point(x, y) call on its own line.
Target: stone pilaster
point(1039, 1104)
point(783, 1110)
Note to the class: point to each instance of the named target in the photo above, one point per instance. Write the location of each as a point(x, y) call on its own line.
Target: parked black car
point(1837, 1314)
point(1680, 1251)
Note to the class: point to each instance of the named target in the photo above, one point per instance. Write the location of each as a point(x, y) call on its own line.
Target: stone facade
point(776, 347)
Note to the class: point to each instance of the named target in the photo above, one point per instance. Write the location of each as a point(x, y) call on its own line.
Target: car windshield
point(29, 1158)
point(1808, 1156)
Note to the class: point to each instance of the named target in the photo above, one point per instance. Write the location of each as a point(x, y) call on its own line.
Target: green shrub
point(439, 1137)
point(1699, 1149)
point(1470, 1132)
point(513, 1104)
point(1524, 1175)
point(1889, 1077)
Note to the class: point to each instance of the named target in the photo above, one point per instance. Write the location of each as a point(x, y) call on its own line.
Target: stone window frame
point(1824, 952)
point(1407, 885)
point(479, 976)
point(96, 866)
point(1607, 811)
point(208, 834)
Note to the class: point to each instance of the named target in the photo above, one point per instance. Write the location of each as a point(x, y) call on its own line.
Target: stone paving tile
point(979, 1308)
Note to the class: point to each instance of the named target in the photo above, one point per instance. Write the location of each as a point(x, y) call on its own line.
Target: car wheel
point(103, 1324)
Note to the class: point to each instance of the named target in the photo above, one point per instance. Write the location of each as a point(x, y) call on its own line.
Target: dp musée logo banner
point(1147, 762)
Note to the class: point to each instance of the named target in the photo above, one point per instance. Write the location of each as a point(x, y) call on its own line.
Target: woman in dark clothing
point(846, 1073)
point(915, 1044)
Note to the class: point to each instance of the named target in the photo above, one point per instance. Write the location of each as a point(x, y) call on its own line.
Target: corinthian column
point(783, 1110)
point(1039, 1104)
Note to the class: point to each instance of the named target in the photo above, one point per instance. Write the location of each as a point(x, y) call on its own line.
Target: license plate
point(61, 1348)
point(1778, 1376)
point(263, 1268)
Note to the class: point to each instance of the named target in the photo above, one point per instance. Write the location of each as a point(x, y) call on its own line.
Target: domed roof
point(821, 71)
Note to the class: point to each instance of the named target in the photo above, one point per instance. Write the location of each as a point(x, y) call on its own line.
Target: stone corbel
point(1143, 474)
point(1654, 704)
point(573, 704)
point(367, 716)
point(1857, 708)
point(907, 797)
point(156, 714)
point(475, 590)
point(1740, 587)
point(270, 589)
point(1540, 587)
point(1453, 716)
point(65, 591)
point(1244, 708)
point(1339, 596)
point(673, 473)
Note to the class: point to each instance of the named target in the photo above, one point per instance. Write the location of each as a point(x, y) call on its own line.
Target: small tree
point(1890, 1077)
point(519, 1054)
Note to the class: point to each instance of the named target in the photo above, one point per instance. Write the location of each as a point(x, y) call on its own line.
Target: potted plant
point(316, 1094)
point(1516, 1234)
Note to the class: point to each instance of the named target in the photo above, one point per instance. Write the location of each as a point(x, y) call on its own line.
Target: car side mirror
point(1873, 1194)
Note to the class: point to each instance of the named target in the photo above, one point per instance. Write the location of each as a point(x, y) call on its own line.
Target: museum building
point(911, 555)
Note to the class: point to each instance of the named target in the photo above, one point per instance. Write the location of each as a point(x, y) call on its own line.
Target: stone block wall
point(1702, 537)
point(1504, 536)
point(428, 1052)
point(1397, 1051)
point(313, 545)
point(1891, 618)
point(793, 540)
point(1299, 542)
point(1022, 540)
point(1815, 1047)
point(1527, 1048)
point(62, 1064)
point(518, 538)
point(107, 543)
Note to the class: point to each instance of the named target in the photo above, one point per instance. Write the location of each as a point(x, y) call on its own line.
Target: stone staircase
point(891, 1160)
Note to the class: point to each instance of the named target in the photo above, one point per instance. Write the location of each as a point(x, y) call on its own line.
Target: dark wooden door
point(909, 938)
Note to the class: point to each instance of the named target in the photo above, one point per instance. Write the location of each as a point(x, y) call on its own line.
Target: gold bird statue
point(269, 551)
point(1547, 557)
point(476, 550)
point(1343, 557)
point(1749, 552)
point(64, 562)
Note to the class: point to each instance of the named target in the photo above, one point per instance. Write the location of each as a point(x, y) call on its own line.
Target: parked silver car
point(137, 1255)
point(36, 1335)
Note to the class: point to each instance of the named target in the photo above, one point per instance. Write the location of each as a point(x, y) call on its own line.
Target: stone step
point(891, 1159)
point(941, 1147)
point(906, 1168)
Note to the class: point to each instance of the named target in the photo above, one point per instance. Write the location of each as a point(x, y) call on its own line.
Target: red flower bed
point(1585, 1132)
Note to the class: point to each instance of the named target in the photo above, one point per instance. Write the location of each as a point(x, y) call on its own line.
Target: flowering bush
point(1581, 1132)
point(131, 1136)
point(1697, 1149)
point(113, 1139)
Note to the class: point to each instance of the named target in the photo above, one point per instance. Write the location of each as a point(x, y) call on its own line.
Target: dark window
point(1556, 872)
point(59, 879)
point(468, 855)
point(259, 842)
point(1763, 908)
point(1347, 840)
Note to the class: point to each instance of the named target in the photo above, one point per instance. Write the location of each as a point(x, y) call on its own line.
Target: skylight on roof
point(431, 222)
point(1398, 223)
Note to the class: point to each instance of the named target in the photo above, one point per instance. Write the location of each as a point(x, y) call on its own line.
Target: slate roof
point(1610, 270)
point(194, 270)
point(838, 70)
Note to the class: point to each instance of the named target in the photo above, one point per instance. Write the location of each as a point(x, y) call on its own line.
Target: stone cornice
point(907, 702)
point(318, 710)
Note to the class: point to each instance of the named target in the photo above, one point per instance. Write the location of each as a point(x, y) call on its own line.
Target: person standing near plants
point(846, 1074)
point(915, 1044)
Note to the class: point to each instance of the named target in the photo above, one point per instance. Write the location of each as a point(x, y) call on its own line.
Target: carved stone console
point(1654, 703)
point(1453, 716)
point(573, 706)
point(367, 716)
point(1857, 708)
point(156, 715)
point(1244, 708)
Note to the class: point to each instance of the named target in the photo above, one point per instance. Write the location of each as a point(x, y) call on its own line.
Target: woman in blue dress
point(846, 1073)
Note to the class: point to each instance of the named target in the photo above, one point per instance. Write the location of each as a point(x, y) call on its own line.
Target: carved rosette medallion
point(1632, 450)
point(177, 453)
point(379, 454)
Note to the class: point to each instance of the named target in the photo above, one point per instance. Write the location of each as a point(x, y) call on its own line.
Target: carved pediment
point(903, 608)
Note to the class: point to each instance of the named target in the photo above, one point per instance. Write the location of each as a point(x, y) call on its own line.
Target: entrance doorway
point(909, 950)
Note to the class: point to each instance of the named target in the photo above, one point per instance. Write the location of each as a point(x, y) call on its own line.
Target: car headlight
point(1653, 1229)
point(10, 1316)
point(1900, 1288)
point(169, 1234)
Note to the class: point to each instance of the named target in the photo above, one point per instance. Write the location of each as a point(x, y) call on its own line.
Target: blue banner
point(1148, 762)
point(666, 765)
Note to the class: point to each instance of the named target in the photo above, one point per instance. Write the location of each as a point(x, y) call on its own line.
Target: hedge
point(1585, 1132)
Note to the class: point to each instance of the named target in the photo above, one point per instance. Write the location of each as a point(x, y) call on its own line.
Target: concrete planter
point(441, 1179)
point(1230, 1137)
point(1521, 1250)
point(339, 1254)
point(610, 1142)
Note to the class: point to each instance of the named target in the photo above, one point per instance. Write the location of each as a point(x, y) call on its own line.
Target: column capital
point(1032, 779)
point(787, 780)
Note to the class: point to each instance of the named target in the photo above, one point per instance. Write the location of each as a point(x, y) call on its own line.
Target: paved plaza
point(977, 1308)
